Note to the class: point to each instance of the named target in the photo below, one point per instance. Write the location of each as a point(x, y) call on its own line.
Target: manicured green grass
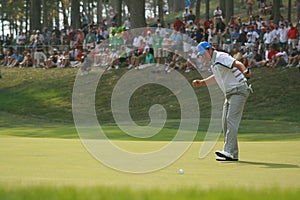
point(62, 168)
point(103, 193)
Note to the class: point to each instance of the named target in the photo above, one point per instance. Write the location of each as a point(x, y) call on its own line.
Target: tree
point(99, 11)
point(289, 10)
point(161, 12)
point(223, 6)
point(276, 10)
point(298, 11)
point(35, 14)
point(176, 5)
point(119, 9)
point(229, 10)
point(198, 6)
point(137, 13)
point(75, 17)
point(65, 5)
point(207, 8)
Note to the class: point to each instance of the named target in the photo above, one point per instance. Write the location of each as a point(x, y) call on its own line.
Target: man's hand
point(198, 83)
point(247, 73)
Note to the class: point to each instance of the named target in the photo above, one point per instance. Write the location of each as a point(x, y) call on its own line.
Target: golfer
point(231, 76)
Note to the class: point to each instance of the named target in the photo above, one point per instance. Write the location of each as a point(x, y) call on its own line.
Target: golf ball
point(181, 171)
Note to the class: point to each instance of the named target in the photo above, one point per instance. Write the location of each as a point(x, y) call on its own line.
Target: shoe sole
point(222, 159)
point(225, 157)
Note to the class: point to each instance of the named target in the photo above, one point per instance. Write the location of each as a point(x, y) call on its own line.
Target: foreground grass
point(73, 193)
point(45, 168)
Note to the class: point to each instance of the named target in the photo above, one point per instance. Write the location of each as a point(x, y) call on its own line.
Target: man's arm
point(240, 66)
point(207, 81)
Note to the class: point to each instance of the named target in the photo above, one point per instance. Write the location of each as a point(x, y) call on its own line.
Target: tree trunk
point(99, 11)
point(56, 14)
point(298, 11)
point(137, 13)
point(26, 14)
point(207, 8)
point(35, 14)
point(161, 12)
point(75, 14)
point(289, 11)
point(45, 14)
point(276, 10)
point(64, 12)
point(223, 7)
point(154, 8)
point(229, 10)
point(119, 9)
point(171, 6)
point(193, 2)
point(179, 5)
point(197, 13)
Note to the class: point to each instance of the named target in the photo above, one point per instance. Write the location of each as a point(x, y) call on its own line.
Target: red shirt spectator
point(272, 53)
point(178, 24)
point(293, 32)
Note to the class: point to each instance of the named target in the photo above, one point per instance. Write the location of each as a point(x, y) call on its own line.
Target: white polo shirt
point(227, 76)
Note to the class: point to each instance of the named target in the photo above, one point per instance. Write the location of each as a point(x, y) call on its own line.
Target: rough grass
point(47, 94)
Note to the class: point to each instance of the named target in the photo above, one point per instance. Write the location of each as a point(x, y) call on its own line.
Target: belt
point(241, 86)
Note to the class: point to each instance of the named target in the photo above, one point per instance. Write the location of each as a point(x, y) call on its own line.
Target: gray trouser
point(232, 114)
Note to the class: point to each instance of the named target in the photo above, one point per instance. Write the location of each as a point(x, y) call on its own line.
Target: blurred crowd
point(254, 39)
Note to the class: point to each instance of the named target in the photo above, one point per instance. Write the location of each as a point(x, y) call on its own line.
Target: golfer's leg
point(224, 118)
point(234, 115)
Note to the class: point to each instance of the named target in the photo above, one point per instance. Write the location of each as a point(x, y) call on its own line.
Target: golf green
point(65, 162)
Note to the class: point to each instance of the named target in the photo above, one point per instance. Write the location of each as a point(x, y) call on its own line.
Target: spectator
point(249, 6)
point(64, 60)
point(252, 35)
point(27, 61)
point(283, 36)
point(268, 38)
point(178, 24)
point(191, 17)
point(293, 58)
point(234, 34)
point(185, 13)
point(38, 51)
point(167, 43)
point(157, 46)
point(218, 13)
point(226, 40)
point(90, 39)
point(256, 59)
point(292, 37)
point(79, 39)
point(52, 61)
point(280, 58)
point(206, 26)
point(161, 30)
point(271, 58)
point(20, 41)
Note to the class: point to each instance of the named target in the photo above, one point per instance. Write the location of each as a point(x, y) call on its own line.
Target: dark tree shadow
point(269, 165)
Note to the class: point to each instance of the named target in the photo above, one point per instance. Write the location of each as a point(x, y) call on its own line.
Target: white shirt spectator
point(283, 35)
point(137, 41)
point(275, 35)
point(252, 36)
point(268, 38)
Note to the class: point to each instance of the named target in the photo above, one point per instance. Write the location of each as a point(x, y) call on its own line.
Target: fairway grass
point(65, 167)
